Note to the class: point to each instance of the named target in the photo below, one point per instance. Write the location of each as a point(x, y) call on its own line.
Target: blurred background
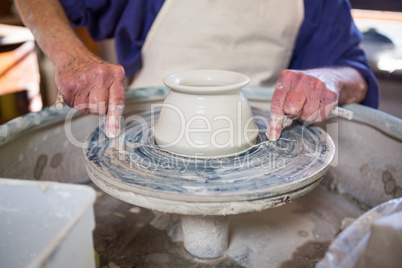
point(27, 76)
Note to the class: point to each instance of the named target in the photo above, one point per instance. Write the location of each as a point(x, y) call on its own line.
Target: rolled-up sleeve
point(328, 37)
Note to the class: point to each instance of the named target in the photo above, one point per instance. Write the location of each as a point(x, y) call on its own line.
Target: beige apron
point(255, 38)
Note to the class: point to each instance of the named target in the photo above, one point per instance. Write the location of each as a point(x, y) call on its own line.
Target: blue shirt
point(328, 36)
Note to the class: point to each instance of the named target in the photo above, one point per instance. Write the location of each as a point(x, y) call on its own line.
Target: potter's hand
point(311, 94)
point(87, 83)
point(308, 95)
point(92, 85)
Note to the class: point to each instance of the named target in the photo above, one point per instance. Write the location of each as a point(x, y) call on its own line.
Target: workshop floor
point(294, 235)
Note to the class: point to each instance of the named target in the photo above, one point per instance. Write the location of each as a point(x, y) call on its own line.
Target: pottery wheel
point(133, 168)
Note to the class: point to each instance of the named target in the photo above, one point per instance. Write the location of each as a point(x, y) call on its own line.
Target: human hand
point(91, 85)
point(309, 95)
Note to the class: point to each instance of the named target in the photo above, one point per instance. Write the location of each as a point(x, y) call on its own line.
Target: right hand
point(86, 82)
point(91, 85)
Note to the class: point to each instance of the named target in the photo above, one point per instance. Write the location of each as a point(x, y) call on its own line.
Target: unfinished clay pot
point(206, 114)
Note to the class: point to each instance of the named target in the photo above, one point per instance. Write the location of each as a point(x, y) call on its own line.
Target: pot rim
point(229, 80)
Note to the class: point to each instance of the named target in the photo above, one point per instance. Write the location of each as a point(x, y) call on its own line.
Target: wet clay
point(135, 170)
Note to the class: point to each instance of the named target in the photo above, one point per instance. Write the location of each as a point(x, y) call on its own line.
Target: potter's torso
point(255, 39)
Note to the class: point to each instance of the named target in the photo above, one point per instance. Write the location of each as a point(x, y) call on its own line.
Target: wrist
point(66, 52)
point(354, 88)
point(332, 79)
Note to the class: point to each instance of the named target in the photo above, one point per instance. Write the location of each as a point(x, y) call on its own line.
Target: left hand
point(309, 95)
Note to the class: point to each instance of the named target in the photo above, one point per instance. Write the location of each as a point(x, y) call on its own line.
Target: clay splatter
point(56, 160)
point(40, 165)
point(390, 185)
point(307, 255)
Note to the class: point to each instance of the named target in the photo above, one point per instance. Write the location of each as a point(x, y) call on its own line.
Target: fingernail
point(270, 134)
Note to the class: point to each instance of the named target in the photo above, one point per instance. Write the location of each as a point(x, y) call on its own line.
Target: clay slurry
point(268, 169)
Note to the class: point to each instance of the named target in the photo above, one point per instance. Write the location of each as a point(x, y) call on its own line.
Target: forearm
point(51, 29)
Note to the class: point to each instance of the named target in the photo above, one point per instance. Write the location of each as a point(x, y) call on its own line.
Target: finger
point(116, 105)
point(296, 97)
point(312, 105)
point(68, 97)
point(283, 86)
point(98, 101)
point(66, 88)
point(275, 126)
point(81, 101)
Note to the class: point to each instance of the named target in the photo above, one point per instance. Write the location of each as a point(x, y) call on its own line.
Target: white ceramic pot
point(206, 114)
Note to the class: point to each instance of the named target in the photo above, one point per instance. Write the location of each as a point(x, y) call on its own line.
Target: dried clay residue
point(307, 255)
point(40, 165)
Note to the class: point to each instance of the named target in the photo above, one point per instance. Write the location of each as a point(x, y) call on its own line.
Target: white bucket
point(46, 224)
